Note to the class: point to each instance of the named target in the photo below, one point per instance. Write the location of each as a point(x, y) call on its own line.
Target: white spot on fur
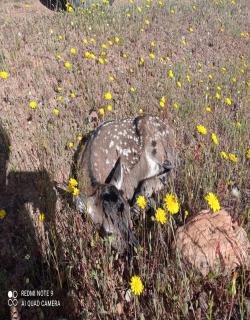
point(111, 144)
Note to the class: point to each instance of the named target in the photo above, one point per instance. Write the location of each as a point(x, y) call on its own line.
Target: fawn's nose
point(167, 165)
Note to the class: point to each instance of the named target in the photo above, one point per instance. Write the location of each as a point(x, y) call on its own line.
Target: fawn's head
point(108, 208)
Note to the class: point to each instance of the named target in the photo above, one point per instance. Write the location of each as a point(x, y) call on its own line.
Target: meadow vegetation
point(186, 61)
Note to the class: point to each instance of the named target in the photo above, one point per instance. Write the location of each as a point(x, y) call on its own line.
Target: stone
point(213, 242)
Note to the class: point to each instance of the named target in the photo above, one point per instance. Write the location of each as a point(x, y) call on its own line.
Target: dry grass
point(65, 252)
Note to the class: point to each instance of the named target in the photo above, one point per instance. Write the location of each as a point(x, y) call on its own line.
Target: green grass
point(88, 278)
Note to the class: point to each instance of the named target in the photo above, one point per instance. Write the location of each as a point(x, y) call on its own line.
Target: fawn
point(122, 158)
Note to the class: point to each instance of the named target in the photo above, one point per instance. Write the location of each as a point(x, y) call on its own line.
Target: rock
point(213, 242)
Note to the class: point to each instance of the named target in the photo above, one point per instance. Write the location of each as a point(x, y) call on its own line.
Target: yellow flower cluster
point(163, 101)
point(72, 187)
point(201, 129)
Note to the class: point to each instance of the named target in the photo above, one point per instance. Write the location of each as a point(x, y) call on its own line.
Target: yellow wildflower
point(101, 60)
point(108, 96)
point(208, 109)
point(70, 188)
point(4, 74)
point(215, 139)
point(102, 111)
point(224, 155)
point(218, 96)
point(70, 144)
point(136, 285)
point(139, 9)
point(151, 56)
point(171, 203)
point(161, 216)
point(85, 40)
point(184, 42)
point(79, 137)
point(141, 110)
point(109, 107)
point(170, 74)
point(69, 7)
point(73, 182)
point(213, 201)
point(248, 154)
point(244, 34)
point(179, 84)
point(233, 157)
point(117, 39)
point(2, 213)
point(188, 77)
point(56, 111)
point(201, 129)
point(67, 65)
point(190, 29)
point(141, 202)
point(162, 101)
point(228, 101)
point(141, 61)
point(33, 104)
point(41, 217)
point(76, 192)
point(73, 50)
point(146, 21)
point(86, 54)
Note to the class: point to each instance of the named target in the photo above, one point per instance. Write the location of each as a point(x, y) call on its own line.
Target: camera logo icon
point(12, 301)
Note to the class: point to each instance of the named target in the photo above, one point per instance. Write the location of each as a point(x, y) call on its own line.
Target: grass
point(65, 253)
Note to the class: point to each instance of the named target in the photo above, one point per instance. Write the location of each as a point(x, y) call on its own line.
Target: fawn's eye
point(110, 197)
point(121, 207)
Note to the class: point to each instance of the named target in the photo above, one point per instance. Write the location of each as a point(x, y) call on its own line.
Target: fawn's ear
point(116, 175)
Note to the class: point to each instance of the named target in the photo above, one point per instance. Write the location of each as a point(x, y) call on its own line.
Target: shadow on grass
point(57, 5)
point(23, 197)
point(54, 4)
